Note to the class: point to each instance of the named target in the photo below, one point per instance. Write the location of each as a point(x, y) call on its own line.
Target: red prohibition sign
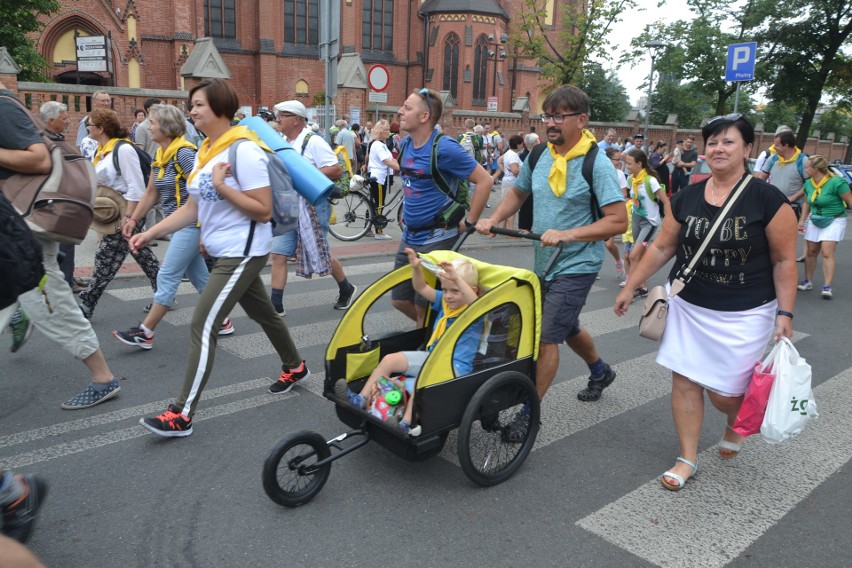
point(378, 78)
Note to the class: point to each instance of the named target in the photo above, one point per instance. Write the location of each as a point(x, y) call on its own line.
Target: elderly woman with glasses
point(740, 296)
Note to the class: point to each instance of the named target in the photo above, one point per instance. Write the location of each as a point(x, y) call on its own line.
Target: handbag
point(791, 401)
point(652, 323)
point(753, 409)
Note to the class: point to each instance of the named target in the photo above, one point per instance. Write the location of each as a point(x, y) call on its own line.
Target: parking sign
point(741, 60)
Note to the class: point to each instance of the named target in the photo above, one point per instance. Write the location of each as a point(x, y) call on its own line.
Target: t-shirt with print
point(829, 203)
point(18, 132)
point(468, 342)
point(131, 183)
point(224, 228)
point(423, 200)
point(736, 271)
point(377, 167)
point(571, 209)
point(647, 207)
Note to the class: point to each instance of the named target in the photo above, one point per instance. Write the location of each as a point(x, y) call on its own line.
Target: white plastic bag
point(791, 401)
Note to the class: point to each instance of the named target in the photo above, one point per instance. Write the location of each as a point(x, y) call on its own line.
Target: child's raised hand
point(448, 271)
point(413, 259)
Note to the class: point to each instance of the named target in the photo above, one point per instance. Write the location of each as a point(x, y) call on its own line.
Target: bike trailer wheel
point(289, 475)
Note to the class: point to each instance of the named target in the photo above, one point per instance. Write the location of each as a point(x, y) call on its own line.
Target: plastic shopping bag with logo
point(791, 401)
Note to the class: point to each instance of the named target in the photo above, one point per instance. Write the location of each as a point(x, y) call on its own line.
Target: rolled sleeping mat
point(311, 183)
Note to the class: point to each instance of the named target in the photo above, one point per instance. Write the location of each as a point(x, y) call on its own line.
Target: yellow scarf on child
point(558, 177)
point(106, 149)
point(638, 181)
point(208, 151)
point(441, 324)
point(818, 186)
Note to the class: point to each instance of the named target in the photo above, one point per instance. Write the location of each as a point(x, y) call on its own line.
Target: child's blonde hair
point(467, 271)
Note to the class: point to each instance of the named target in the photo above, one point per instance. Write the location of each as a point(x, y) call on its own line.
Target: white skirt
point(717, 350)
point(833, 233)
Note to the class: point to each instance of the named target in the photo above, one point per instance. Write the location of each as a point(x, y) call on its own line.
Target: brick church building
point(270, 49)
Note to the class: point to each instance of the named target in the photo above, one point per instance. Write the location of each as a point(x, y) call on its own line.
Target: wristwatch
point(783, 313)
point(468, 224)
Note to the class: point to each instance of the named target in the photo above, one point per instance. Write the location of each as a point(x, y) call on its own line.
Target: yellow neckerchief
point(772, 150)
point(209, 151)
point(792, 159)
point(638, 181)
point(106, 149)
point(162, 158)
point(342, 150)
point(558, 177)
point(441, 324)
point(818, 186)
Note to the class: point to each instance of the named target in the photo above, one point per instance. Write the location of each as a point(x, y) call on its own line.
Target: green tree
point(608, 98)
point(837, 120)
point(560, 50)
point(809, 56)
point(19, 18)
point(775, 114)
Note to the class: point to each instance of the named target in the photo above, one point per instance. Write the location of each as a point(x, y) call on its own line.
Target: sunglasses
point(733, 117)
point(425, 94)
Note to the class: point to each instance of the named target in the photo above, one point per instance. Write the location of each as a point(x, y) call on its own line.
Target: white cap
point(782, 128)
point(293, 107)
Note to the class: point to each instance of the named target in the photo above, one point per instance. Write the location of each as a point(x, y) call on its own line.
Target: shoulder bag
point(656, 306)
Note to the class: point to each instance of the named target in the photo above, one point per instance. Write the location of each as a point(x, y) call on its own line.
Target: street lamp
point(497, 54)
point(654, 46)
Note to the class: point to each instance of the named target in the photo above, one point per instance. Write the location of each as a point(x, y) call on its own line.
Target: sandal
point(680, 480)
point(729, 450)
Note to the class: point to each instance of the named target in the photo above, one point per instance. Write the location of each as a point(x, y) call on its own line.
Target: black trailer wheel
point(498, 428)
point(289, 475)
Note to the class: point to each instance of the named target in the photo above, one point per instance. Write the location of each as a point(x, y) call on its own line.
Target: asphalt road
point(588, 495)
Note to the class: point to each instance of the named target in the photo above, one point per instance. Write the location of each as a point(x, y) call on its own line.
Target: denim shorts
point(564, 298)
point(285, 244)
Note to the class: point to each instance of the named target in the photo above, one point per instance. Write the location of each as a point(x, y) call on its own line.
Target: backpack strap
point(232, 159)
point(115, 148)
point(305, 142)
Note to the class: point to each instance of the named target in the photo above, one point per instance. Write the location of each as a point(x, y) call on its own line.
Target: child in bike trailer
point(459, 283)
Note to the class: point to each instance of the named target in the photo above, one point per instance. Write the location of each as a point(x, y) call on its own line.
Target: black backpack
point(21, 260)
point(588, 169)
point(144, 159)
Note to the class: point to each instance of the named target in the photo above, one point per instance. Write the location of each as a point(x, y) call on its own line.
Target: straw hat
point(110, 207)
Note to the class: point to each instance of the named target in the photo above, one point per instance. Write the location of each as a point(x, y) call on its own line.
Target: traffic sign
point(378, 78)
point(491, 104)
point(741, 61)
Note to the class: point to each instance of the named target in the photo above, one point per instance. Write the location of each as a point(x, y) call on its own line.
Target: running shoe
point(289, 377)
point(640, 292)
point(19, 517)
point(805, 285)
point(136, 337)
point(227, 327)
point(21, 328)
point(382, 237)
point(169, 424)
point(619, 270)
point(826, 292)
point(345, 300)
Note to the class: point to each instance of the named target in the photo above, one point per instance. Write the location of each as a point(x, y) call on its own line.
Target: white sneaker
point(382, 237)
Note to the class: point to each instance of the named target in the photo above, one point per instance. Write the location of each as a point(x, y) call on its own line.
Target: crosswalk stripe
point(735, 501)
point(145, 293)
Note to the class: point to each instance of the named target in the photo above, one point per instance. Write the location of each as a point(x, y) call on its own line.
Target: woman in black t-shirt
point(741, 294)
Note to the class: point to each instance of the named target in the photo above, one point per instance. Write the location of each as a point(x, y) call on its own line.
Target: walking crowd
point(208, 178)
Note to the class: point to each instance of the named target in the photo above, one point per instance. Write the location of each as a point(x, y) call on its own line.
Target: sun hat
point(110, 207)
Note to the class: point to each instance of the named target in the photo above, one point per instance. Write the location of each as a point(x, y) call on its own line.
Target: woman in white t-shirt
point(234, 215)
point(381, 165)
point(647, 198)
point(114, 146)
point(510, 164)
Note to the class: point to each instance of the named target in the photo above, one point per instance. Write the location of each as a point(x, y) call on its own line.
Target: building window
point(301, 21)
point(220, 18)
point(451, 64)
point(302, 88)
point(377, 25)
point(480, 68)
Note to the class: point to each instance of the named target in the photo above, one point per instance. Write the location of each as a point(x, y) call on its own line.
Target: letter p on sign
point(741, 60)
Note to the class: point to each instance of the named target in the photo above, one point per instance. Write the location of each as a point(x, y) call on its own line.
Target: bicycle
point(356, 214)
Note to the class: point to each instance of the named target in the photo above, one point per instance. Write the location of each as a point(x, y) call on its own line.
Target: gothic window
point(220, 18)
point(377, 25)
point(480, 69)
point(451, 64)
point(301, 21)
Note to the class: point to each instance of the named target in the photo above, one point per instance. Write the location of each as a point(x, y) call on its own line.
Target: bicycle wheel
point(498, 428)
point(289, 477)
point(354, 215)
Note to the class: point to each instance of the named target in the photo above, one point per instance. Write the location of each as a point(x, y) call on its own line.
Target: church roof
point(489, 7)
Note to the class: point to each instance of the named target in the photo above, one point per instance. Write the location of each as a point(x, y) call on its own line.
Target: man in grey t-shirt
point(786, 170)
